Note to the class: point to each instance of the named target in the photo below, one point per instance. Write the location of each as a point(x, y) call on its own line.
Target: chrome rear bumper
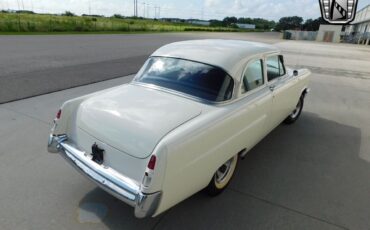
point(107, 178)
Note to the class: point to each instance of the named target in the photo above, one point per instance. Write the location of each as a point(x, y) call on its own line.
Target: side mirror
point(295, 73)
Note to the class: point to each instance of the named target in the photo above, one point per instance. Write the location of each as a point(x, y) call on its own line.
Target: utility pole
point(89, 7)
point(147, 10)
point(19, 17)
point(143, 9)
point(157, 11)
point(137, 8)
point(135, 11)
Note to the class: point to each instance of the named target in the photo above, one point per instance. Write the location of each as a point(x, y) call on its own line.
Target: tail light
point(149, 172)
point(152, 161)
point(59, 114)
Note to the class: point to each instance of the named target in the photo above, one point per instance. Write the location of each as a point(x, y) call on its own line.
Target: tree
point(68, 13)
point(230, 20)
point(313, 24)
point(216, 23)
point(289, 23)
point(24, 12)
point(260, 23)
point(119, 16)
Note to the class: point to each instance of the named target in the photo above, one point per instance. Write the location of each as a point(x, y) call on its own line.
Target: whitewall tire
point(222, 177)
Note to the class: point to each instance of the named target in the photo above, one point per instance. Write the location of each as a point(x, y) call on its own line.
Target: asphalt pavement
point(39, 64)
point(311, 175)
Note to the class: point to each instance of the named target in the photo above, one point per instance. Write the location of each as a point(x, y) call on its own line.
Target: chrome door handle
point(272, 87)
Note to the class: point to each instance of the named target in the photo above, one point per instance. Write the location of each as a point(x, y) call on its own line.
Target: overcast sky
point(206, 9)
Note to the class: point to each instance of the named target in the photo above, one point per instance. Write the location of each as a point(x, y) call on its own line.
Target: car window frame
point(249, 62)
point(281, 58)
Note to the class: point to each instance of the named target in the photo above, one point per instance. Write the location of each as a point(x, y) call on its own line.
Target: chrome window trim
point(280, 77)
point(245, 94)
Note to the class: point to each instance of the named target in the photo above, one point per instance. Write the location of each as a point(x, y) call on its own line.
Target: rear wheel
point(222, 177)
point(296, 112)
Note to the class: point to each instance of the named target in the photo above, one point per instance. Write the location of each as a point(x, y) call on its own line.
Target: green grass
point(11, 23)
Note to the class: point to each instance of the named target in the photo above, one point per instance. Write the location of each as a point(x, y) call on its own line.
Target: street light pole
point(135, 10)
point(143, 9)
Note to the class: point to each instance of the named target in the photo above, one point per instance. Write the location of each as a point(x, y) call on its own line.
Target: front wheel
point(296, 112)
point(222, 177)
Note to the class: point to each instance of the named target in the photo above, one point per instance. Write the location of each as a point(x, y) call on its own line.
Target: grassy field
point(11, 23)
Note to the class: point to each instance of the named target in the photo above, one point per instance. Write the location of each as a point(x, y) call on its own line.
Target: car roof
point(226, 54)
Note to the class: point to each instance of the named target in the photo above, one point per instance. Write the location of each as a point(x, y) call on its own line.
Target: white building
point(199, 22)
point(246, 26)
point(359, 29)
point(329, 33)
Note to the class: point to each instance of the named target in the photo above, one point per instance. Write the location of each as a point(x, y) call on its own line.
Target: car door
point(256, 99)
point(281, 86)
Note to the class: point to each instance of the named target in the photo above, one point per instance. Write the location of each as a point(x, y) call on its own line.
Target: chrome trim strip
point(118, 185)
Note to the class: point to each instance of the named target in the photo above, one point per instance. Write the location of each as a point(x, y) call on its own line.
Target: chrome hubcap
point(296, 110)
point(223, 171)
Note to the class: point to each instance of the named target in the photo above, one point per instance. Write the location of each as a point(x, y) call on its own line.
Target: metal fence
point(300, 35)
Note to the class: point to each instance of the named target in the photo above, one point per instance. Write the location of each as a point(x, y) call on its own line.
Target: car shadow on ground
point(300, 176)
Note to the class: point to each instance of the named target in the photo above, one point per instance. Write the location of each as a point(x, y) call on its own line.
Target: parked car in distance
point(182, 123)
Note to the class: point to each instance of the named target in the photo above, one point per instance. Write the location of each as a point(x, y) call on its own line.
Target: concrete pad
point(41, 191)
point(235, 210)
point(36, 65)
point(92, 212)
point(311, 175)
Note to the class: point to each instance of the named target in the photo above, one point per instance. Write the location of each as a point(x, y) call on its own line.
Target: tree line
point(285, 23)
point(260, 23)
point(297, 23)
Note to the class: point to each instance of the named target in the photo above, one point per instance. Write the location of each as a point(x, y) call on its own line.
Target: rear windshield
point(193, 78)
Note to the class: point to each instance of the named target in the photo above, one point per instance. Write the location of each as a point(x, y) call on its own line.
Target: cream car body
point(190, 137)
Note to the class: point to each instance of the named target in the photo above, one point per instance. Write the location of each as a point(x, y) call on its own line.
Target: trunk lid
point(133, 119)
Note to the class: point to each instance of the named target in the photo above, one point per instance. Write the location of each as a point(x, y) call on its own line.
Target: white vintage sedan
point(182, 124)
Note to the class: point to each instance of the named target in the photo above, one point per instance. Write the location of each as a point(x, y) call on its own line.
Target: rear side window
point(253, 76)
point(275, 67)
